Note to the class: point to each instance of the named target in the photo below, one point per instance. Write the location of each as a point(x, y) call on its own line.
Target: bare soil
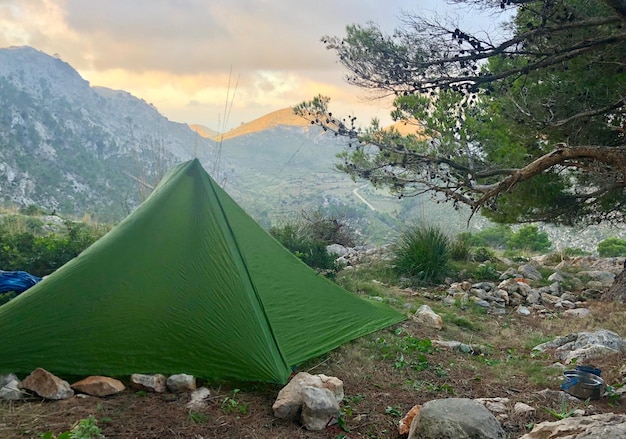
point(383, 375)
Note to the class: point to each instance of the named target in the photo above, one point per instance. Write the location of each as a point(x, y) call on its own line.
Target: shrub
point(486, 272)
point(529, 238)
point(27, 249)
point(460, 249)
point(495, 237)
point(612, 247)
point(422, 254)
point(328, 229)
point(299, 240)
point(483, 254)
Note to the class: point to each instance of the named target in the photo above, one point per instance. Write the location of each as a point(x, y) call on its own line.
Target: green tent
point(188, 283)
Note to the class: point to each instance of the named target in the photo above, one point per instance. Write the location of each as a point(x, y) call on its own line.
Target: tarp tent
point(188, 283)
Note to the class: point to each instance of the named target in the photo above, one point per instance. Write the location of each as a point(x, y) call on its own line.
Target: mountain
point(73, 148)
point(203, 131)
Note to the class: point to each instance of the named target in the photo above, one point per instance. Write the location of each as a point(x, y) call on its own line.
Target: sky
point(218, 63)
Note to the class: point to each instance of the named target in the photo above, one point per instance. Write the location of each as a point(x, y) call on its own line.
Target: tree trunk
point(617, 292)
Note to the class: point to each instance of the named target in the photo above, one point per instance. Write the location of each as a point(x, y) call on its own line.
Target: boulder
point(198, 397)
point(99, 386)
point(288, 404)
point(181, 383)
point(577, 313)
point(319, 408)
point(151, 383)
point(602, 426)
point(529, 271)
point(47, 385)
point(405, 423)
point(10, 388)
point(584, 346)
point(457, 418)
point(428, 317)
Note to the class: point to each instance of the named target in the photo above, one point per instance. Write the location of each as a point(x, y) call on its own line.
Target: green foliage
point(460, 249)
point(25, 246)
point(5, 297)
point(494, 237)
point(85, 429)
point(612, 247)
point(230, 404)
point(483, 254)
point(422, 253)
point(301, 240)
point(509, 136)
point(563, 412)
point(529, 238)
point(573, 251)
point(486, 271)
point(198, 417)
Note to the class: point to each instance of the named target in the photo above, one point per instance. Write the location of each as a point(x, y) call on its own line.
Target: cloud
point(187, 56)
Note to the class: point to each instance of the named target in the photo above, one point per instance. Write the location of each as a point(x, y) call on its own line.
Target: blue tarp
point(18, 281)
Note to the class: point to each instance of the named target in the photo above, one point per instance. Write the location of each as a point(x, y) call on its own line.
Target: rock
point(523, 311)
point(557, 276)
point(605, 278)
point(602, 426)
point(461, 347)
point(151, 383)
point(565, 304)
point(428, 317)
point(457, 418)
point(198, 397)
point(46, 385)
point(288, 404)
point(480, 302)
point(319, 408)
point(568, 296)
point(584, 346)
point(405, 423)
point(578, 313)
point(549, 298)
point(556, 289)
point(522, 409)
point(10, 388)
point(337, 249)
point(99, 386)
point(495, 405)
point(529, 271)
point(533, 297)
point(181, 383)
point(449, 301)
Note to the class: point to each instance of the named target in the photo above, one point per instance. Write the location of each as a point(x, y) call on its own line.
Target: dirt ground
point(383, 375)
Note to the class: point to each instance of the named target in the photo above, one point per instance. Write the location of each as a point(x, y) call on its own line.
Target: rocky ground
point(384, 375)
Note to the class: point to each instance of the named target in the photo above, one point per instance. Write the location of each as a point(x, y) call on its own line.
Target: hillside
point(284, 118)
point(69, 147)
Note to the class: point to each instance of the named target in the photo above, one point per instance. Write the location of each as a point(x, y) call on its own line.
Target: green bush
point(24, 247)
point(494, 237)
point(422, 254)
point(460, 249)
point(486, 272)
point(482, 254)
point(612, 247)
point(299, 239)
point(529, 238)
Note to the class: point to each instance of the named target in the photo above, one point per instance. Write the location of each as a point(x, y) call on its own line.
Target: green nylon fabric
point(188, 283)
